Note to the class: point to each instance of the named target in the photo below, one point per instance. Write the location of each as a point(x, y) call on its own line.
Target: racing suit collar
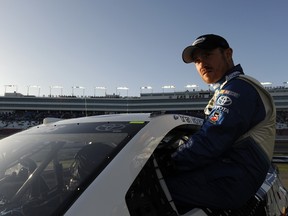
point(232, 73)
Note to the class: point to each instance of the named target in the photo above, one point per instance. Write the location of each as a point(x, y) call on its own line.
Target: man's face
point(212, 65)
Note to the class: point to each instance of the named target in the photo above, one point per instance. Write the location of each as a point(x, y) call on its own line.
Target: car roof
point(146, 117)
point(127, 117)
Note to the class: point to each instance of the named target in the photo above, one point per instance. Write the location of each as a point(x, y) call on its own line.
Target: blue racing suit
point(223, 165)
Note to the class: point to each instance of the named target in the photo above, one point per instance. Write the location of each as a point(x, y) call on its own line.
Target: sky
point(76, 46)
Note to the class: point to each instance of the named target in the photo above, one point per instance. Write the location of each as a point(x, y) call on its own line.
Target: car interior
point(149, 195)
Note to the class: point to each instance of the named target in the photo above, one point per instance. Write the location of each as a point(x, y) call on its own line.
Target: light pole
point(78, 87)
point(33, 86)
point(99, 88)
point(146, 87)
point(56, 87)
point(10, 86)
point(122, 88)
point(266, 84)
point(168, 87)
point(192, 86)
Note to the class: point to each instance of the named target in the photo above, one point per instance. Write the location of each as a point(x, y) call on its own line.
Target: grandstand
point(19, 112)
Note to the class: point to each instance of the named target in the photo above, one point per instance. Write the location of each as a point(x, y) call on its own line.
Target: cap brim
point(187, 54)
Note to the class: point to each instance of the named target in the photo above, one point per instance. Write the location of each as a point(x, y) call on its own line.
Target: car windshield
point(47, 167)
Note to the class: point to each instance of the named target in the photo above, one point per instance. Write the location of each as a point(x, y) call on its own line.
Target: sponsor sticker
point(215, 117)
point(110, 127)
point(224, 100)
point(228, 92)
point(222, 109)
point(136, 122)
point(189, 119)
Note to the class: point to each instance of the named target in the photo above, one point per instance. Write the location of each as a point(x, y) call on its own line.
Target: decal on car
point(110, 127)
point(189, 119)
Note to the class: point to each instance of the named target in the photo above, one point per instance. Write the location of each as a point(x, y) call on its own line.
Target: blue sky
point(132, 43)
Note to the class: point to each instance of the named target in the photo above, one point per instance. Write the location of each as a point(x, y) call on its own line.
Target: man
point(224, 164)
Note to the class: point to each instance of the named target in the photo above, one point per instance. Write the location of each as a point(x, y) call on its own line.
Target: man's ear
point(229, 53)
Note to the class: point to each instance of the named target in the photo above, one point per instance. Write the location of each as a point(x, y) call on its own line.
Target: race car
point(109, 165)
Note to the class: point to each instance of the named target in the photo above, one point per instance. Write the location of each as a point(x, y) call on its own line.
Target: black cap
point(204, 42)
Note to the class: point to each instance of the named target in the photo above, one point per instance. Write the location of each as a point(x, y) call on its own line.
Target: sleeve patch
point(224, 100)
point(228, 92)
point(215, 116)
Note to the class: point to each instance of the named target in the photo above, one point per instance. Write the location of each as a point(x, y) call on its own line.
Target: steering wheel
point(34, 185)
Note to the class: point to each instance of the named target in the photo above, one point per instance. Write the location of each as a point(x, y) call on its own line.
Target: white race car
point(110, 165)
